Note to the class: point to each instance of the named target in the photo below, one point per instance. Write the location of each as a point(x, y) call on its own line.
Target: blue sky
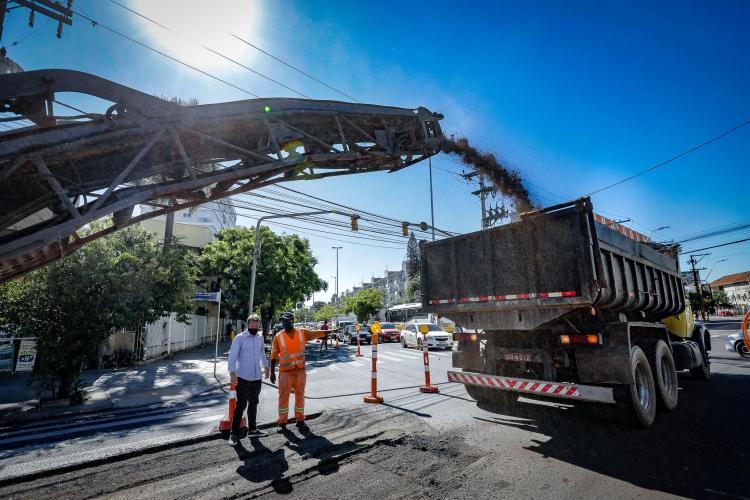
point(575, 95)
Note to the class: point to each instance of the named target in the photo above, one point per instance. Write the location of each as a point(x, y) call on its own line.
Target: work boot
point(302, 426)
point(255, 433)
point(281, 429)
point(233, 440)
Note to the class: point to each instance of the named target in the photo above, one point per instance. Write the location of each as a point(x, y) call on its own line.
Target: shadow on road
point(263, 465)
point(699, 450)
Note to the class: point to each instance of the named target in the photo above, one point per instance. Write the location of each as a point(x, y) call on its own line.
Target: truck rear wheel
point(639, 398)
point(493, 398)
point(702, 372)
point(665, 373)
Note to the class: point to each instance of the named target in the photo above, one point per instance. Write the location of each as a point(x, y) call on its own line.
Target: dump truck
point(566, 304)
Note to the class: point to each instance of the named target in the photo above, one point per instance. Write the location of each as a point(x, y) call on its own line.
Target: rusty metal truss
point(60, 173)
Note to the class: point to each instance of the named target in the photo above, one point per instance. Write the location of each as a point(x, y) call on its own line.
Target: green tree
point(413, 270)
point(365, 304)
point(711, 302)
point(122, 281)
point(413, 257)
point(285, 274)
point(328, 312)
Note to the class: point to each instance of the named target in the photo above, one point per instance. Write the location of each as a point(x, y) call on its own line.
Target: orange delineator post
point(226, 424)
point(427, 387)
point(374, 397)
point(359, 353)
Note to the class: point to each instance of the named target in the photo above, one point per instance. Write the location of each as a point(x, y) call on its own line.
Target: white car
point(436, 338)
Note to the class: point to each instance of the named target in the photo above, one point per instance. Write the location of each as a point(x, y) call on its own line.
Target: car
point(389, 332)
point(436, 337)
point(735, 343)
point(350, 335)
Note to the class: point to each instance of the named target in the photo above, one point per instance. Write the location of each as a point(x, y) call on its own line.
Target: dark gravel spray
point(506, 180)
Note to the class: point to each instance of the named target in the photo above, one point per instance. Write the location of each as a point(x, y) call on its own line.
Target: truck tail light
point(467, 337)
point(588, 338)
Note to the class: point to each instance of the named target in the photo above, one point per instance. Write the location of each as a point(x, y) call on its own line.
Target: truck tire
point(665, 375)
point(702, 372)
point(493, 398)
point(638, 400)
point(742, 349)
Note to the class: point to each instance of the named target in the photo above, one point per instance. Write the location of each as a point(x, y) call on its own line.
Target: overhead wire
point(676, 157)
point(96, 23)
point(223, 56)
point(305, 230)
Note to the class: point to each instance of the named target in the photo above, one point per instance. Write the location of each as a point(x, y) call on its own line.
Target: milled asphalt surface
point(445, 446)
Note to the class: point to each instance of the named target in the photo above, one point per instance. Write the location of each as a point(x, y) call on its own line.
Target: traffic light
point(405, 228)
point(355, 224)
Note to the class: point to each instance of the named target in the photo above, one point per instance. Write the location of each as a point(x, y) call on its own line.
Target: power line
point(144, 45)
point(715, 246)
point(302, 230)
point(677, 157)
point(212, 50)
point(296, 69)
point(285, 199)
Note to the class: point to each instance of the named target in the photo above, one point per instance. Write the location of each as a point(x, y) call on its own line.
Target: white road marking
point(402, 355)
point(334, 368)
point(388, 356)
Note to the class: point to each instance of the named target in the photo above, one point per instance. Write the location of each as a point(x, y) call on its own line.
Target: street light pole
point(256, 252)
point(432, 205)
point(337, 270)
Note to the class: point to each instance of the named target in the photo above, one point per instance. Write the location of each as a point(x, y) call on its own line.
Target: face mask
point(288, 325)
point(253, 331)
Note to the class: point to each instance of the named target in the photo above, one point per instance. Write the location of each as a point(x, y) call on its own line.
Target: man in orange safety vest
point(288, 352)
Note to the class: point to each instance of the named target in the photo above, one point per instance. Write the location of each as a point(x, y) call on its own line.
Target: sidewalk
point(175, 379)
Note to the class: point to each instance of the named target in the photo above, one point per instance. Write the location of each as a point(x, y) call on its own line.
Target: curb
point(117, 457)
point(32, 416)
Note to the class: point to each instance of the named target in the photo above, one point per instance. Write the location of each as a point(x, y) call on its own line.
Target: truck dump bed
point(525, 274)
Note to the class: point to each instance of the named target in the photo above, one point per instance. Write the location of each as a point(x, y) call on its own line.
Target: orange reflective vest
point(291, 351)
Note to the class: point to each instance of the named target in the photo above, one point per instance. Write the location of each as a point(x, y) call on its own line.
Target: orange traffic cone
point(226, 423)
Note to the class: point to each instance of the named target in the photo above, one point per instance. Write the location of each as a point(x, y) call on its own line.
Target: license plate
point(517, 356)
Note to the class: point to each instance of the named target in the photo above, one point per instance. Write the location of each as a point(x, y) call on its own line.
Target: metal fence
point(167, 335)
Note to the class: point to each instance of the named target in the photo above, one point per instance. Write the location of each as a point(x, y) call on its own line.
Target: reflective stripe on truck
point(576, 392)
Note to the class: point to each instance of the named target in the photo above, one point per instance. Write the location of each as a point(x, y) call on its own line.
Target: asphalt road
point(428, 445)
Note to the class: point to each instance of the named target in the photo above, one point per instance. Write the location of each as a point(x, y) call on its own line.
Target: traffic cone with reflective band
point(374, 397)
point(427, 387)
point(226, 424)
point(359, 352)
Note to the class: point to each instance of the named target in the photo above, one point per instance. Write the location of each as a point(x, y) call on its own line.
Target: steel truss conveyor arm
point(65, 172)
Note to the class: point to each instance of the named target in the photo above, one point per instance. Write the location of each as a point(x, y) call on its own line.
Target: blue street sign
point(207, 296)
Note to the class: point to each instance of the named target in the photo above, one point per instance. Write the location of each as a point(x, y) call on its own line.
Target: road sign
point(26, 356)
point(424, 329)
point(207, 296)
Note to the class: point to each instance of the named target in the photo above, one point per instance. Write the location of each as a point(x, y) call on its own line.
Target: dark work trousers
point(248, 392)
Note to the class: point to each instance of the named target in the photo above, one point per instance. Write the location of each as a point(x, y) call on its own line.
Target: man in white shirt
point(247, 366)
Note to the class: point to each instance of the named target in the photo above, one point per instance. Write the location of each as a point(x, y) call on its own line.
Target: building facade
point(194, 227)
point(392, 284)
point(737, 288)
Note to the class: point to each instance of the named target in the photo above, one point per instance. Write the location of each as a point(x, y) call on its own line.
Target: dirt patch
point(508, 181)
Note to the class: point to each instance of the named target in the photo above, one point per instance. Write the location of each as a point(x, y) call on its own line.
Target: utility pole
point(3, 6)
point(432, 205)
point(483, 201)
point(697, 281)
point(482, 193)
point(337, 270)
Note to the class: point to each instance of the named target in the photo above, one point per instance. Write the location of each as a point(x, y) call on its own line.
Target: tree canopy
point(365, 304)
point(121, 281)
point(285, 273)
point(413, 270)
